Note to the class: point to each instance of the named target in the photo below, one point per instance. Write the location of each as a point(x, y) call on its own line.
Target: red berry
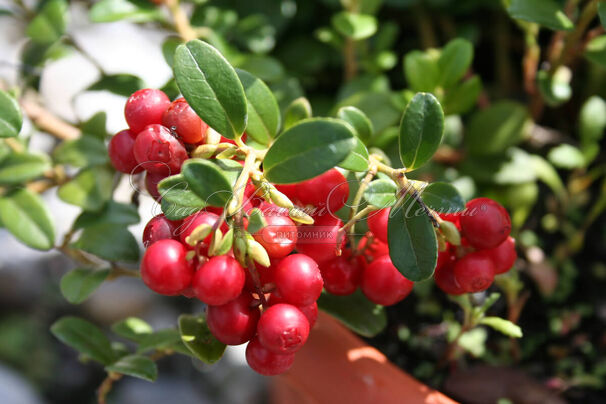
point(485, 223)
point(474, 272)
point(290, 190)
point(452, 217)
point(266, 275)
point(383, 284)
point(158, 151)
point(298, 280)
point(319, 240)
point(190, 223)
point(234, 322)
point(503, 256)
point(145, 107)
point(329, 190)
point(160, 228)
point(181, 118)
point(310, 311)
point(278, 237)
point(341, 275)
point(164, 268)
point(151, 184)
point(219, 281)
point(283, 329)
point(375, 250)
point(377, 223)
point(444, 275)
point(267, 363)
point(269, 209)
point(120, 150)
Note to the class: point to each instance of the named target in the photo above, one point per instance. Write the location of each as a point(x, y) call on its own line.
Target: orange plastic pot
point(335, 367)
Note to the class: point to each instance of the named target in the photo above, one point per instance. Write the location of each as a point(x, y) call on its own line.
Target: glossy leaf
point(358, 120)
point(207, 182)
point(381, 193)
point(455, 59)
point(308, 149)
point(421, 71)
point(503, 326)
point(161, 339)
point(77, 285)
point(26, 216)
point(116, 10)
point(211, 87)
point(11, 118)
point(176, 191)
point(367, 319)
point(355, 26)
point(90, 189)
point(21, 167)
point(82, 152)
point(50, 23)
point(111, 242)
point(85, 338)
point(298, 110)
point(443, 198)
point(132, 328)
point(198, 339)
point(547, 13)
point(138, 366)
point(263, 111)
point(421, 130)
point(121, 84)
point(174, 211)
point(113, 212)
point(357, 160)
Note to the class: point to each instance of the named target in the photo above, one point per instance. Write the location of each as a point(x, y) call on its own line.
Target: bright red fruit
point(341, 275)
point(265, 362)
point(164, 268)
point(279, 237)
point(377, 223)
point(375, 250)
point(120, 150)
point(474, 272)
point(145, 107)
point(234, 322)
point(329, 190)
point(160, 228)
point(319, 240)
point(383, 284)
point(444, 274)
point(310, 311)
point(290, 190)
point(158, 151)
point(298, 280)
point(266, 275)
point(485, 223)
point(190, 223)
point(283, 329)
point(151, 184)
point(181, 118)
point(219, 281)
point(503, 256)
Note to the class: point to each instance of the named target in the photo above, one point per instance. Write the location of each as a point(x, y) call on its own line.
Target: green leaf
point(555, 88)
point(602, 13)
point(462, 97)
point(355, 26)
point(18, 168)
point(358, 120)
point(211, 87)
point(85, 338)
point(112, 242)
point(381, 193)
point(169, 47)
point(443, 198)
point(412, 241)
point(113, 212)
point(421, 130)
point(592, 120)
point(381, 108)
point(176, 191)
point(161, 339)
point(207, 181)
point(596, 50)
point(174, 211)
point(566, 156)
point(79, 284)
point(308, 149)
point(503, 326)
point(421, 71)
point(357, 159)
point(543, 12)
point(133, 10)
point(135, 366)
point(454, 61)
point(549, 175)
point(256, 221)
point(368, 319)
point(90, 190)
point(120, 84)
point(50, 23)
point(263, 111)
point(298, 110)
point(11, 118)
point(25, 215)
point(95, 125)
point(495, 128)
point(82, 152)
point(132, 328)
point(198, 339)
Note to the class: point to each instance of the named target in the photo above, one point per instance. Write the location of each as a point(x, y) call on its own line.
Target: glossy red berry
point(474, 272)
point(298, 280)
point(283, 329)
point(341, 275)
point(265, 362)
point(375, 250)
point(145, 107)
point(151, 184)
point(319, 240)
point(160, 228)
point(310, 311)
point(219, 281)
point(234, 322)
point(329, 190)
point(181, 118)
point(377, 223)
point(158, 151)
point(383, 284)
point(290, 190)
point(120, 150)
point(503, 256)
point(485, 223)
point(444, 274)
point(279, 237)
point(165, 269)
point(266, 275)
point(190, 223)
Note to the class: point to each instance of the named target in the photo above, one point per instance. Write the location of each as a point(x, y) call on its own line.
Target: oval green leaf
point(358, 120)
point(113, 212)
point(79, 284)
point(263, 111)
point(138, 366)
point(112, 242)
point(381, 193)
point(543, 12)
point(120, 84)
point(298, 110)
point(11, 118)
point(132, 328)
point(454, 61)
point(421, 71)
point(84, 337)
point(50, 23)
point(116, 10)
point(443, 198)
point(199, 340)
point(367, 319)
point(355, 26)
point(357, 159)
point(82, 152)
point(90, 190)
point(20, 167)
point(207, 181)
point(175, 190)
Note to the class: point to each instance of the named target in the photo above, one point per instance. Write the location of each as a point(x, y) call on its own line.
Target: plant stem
point(350, 67)
point(358, 197)
point(48, 122)
point(182, 25)
point(106, 386)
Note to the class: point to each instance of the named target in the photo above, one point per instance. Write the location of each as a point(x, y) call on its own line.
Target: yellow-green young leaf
point(11, 118)
point(90, 190)
point(308, 149)
point(298, 110)
point(454, 61)
point(566, 156)
point(138, 366)
point(79, 284)
point(25, 215)
point(503, 326)
point(132, 10)
point(443, 198)
point(358, 120)
point(357, 159)
point(207, 181)
point(112, 242)
point(21, 167)
point(84, 337)
point(555, 88)
point(421, 130)
point(547, 13)
point(132, 328)
point(211, 87)
point(355, 26)
point(263, 111)
point(50, 23)
point(421, 71)
point(368, 319)
point(199, 340)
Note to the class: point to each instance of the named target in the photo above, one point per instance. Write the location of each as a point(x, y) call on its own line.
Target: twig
point(47, 121)
point(182, 25)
